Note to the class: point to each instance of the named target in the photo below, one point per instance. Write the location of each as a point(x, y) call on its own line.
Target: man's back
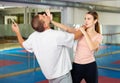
point(50, 48)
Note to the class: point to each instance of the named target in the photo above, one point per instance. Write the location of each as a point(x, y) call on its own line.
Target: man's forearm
point(20, 39)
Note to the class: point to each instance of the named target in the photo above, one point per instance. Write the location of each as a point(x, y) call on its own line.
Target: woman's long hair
point(95, 16)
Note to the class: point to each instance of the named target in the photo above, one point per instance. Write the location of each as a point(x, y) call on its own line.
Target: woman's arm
point(63, 27)
point(77, 33)
point(93, 45)
point(59, 25)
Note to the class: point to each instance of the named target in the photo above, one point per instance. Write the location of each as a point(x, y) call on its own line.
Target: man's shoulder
point(56, 31)
point(33, 33)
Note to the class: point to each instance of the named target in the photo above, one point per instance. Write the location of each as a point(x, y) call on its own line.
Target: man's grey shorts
point(63, 79)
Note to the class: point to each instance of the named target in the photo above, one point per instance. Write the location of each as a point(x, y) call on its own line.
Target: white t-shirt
point(50, 48)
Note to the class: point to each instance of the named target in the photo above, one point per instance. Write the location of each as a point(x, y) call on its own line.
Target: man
point(50, 48)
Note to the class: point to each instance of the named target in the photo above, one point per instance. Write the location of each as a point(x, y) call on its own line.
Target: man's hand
point(15, 27)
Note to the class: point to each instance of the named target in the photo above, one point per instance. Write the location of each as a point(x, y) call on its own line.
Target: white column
point(67, 16)
point(25, 15)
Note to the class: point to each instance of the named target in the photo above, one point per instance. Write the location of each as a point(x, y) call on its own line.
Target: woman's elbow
point(94, 48)
point(77, 35)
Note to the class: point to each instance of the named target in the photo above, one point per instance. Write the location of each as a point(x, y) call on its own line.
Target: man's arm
point(15, 29)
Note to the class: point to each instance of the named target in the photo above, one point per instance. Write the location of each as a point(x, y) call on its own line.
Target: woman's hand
point(82, 29)
point(49, 14)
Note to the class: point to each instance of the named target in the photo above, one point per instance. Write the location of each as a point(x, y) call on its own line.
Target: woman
point(84, 65)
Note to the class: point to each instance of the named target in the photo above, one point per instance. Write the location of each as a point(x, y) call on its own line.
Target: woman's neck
point(91, 31)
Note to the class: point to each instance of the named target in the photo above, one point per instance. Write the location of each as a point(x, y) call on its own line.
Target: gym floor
point(19, 66)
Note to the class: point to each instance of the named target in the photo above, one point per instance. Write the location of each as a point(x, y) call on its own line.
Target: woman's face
point(89, 21)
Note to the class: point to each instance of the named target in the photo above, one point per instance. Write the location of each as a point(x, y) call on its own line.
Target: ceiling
point(113, 3)
point(100, 5)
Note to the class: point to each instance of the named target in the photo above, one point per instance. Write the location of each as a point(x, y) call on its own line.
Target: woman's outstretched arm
point(77, 33)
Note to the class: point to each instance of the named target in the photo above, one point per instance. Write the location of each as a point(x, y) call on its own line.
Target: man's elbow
point(21, 44)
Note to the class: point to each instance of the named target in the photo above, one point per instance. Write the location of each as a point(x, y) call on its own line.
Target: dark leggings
point(88, 72)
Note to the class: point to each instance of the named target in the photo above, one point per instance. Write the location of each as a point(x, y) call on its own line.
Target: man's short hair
point(37, 24)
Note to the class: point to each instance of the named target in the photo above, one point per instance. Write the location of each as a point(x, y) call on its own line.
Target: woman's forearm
point(92, 45)
point(63, 27)
point(77, 33)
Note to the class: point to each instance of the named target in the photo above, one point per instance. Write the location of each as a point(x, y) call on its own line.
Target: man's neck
point(47, 28)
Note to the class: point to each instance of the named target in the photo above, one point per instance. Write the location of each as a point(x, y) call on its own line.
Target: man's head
point(40, 22)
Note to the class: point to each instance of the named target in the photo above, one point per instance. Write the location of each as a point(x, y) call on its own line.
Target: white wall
point(110, 22)
point(72, 16)
point(77, 15)
point(109, 18)
point(112, 34)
